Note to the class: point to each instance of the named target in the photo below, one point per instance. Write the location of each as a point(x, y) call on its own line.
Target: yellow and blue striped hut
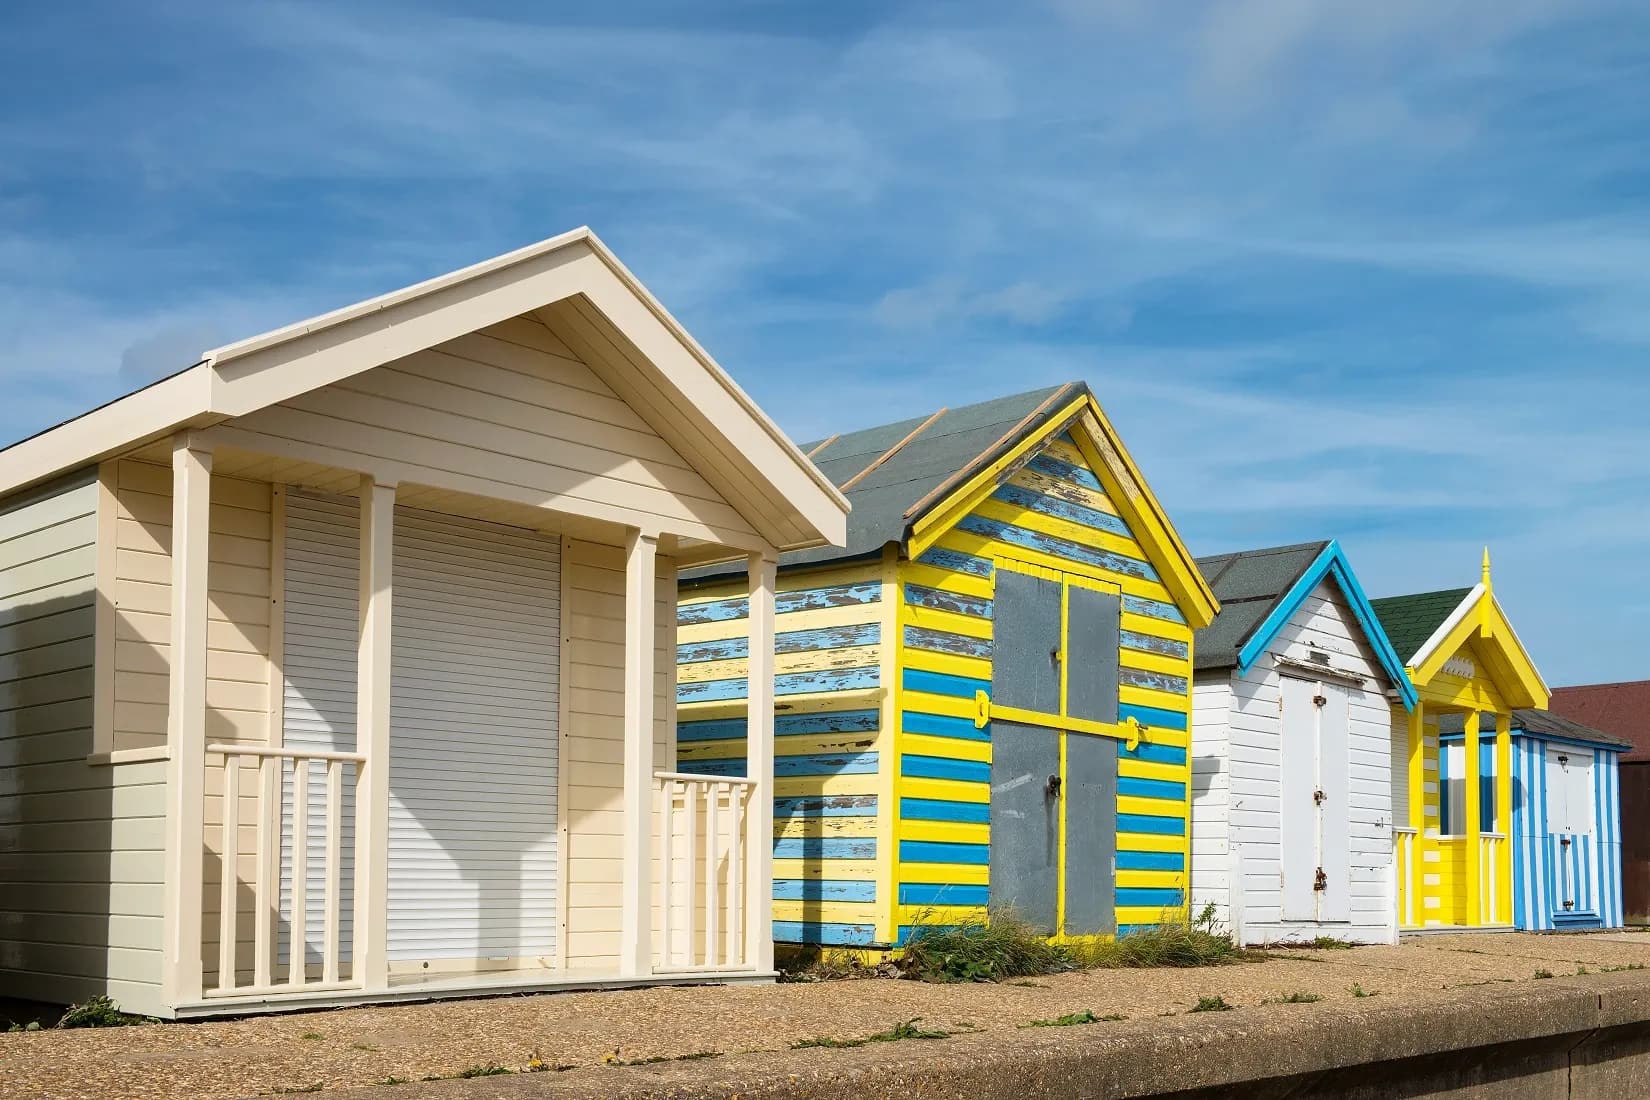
point(983, 698)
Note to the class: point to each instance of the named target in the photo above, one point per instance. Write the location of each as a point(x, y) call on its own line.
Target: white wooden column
point(763, 569)
point(372, 736)
point(640, 636)
point(186, 720)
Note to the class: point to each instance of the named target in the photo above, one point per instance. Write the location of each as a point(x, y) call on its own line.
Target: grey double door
point(1054, 652)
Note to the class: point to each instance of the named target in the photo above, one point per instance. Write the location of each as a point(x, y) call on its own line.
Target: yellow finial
point(1486, 568)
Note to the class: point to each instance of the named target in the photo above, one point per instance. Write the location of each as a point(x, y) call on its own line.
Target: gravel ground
point(584, 1031)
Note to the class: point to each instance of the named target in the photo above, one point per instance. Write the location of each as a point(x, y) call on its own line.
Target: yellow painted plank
point(1157, 628)
point(811, 703)
point(796, 786)
point(1049, 485)
point(811, 660)
point(1150, 842)
point(946, 832)
point(968, 543)
point(1155, 662)
point(941, 914)
point(1168, 879)
point(1147, 769)
point(831, 912)
point(952, 748)
point(977, 668)
point(1045, 524)
point(824, 826)
point(933, 618)
point(794, 745)
point(860, 869)
point(1142, 914)
point(962, 874)
point(817, 618)
point(1155, 807)
point(948, 705)
point(1163, 700)
point(954, 790)
point(946, 580)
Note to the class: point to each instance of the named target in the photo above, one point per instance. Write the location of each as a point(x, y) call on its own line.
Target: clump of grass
point(312, 1035)
point(833, 964)
point(1618, 969)
point(1359, 991)
point(996, 949)
point(1070, 1019)
point(296, 1089)
point(395, 1081)
point(907, 1029)
point(1330, 943)
point(97, 1012)
point(1217, 1003)
point(491, 1069)
point(1198, 942)
point(1299, 998)
point(1543, 973)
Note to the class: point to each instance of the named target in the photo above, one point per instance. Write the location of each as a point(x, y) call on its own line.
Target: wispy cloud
point(1380, 270)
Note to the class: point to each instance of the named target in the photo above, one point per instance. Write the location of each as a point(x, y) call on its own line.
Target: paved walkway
point(589, 1032)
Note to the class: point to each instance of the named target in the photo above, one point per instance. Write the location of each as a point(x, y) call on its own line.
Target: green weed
point(1217, 1003)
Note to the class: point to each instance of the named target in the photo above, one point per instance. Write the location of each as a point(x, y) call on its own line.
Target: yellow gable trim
point(1106, 456)
point(1486, 636)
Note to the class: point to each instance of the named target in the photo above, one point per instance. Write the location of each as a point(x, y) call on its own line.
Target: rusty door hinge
point(1321, 881)
point(1319, 797)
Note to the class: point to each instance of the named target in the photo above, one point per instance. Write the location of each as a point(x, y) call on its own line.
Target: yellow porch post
point(1503, 819)
point(1411, 900)
point(1470, 775)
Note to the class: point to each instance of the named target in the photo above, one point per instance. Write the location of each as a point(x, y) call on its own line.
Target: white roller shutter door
point(322, 567)
point(473, 768)
point(476, 644)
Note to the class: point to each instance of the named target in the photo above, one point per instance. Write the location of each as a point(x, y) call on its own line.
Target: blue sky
point(1372, 271)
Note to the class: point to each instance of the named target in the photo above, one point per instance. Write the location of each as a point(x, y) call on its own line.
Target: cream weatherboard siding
point(593, 745)
point(1249, 800)
point(510, 413)
point(81, 844)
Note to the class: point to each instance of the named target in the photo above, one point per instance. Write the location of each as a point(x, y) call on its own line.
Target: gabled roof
point(1542, 723)
point(910, 479)
point(1410, 620)
point(1259, 592)
point(887, 470)
point(1458, 617)
point(690, 400)
point(1621, 710)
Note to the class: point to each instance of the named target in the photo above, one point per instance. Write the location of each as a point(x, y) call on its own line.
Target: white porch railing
point(1403, 862)
point(271, 767)
point(702, 871)
point(1488, 868)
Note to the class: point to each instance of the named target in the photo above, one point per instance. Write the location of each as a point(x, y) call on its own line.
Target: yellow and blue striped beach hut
point(983, 698)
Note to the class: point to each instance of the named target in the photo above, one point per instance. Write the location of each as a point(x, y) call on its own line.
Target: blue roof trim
point(1332, 562)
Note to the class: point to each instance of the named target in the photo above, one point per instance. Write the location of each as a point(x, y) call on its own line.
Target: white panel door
point(1335, 807)
point(321, 563)
point(1297, 814)
point(1570, 804)
point(475, 655)
point(1315, 844)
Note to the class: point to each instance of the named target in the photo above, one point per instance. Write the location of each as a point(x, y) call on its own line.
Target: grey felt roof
point(958, 440)
point(1248, 584)
point(1540, 722)
point(1410, 620)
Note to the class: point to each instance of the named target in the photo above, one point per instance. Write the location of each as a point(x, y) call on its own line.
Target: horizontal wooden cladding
point(239, 606)
point(510, 407)
point(592, 751)
point(627, 369)
point(80, 846)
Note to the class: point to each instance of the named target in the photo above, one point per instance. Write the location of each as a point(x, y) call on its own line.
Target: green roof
point(1410, 620)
